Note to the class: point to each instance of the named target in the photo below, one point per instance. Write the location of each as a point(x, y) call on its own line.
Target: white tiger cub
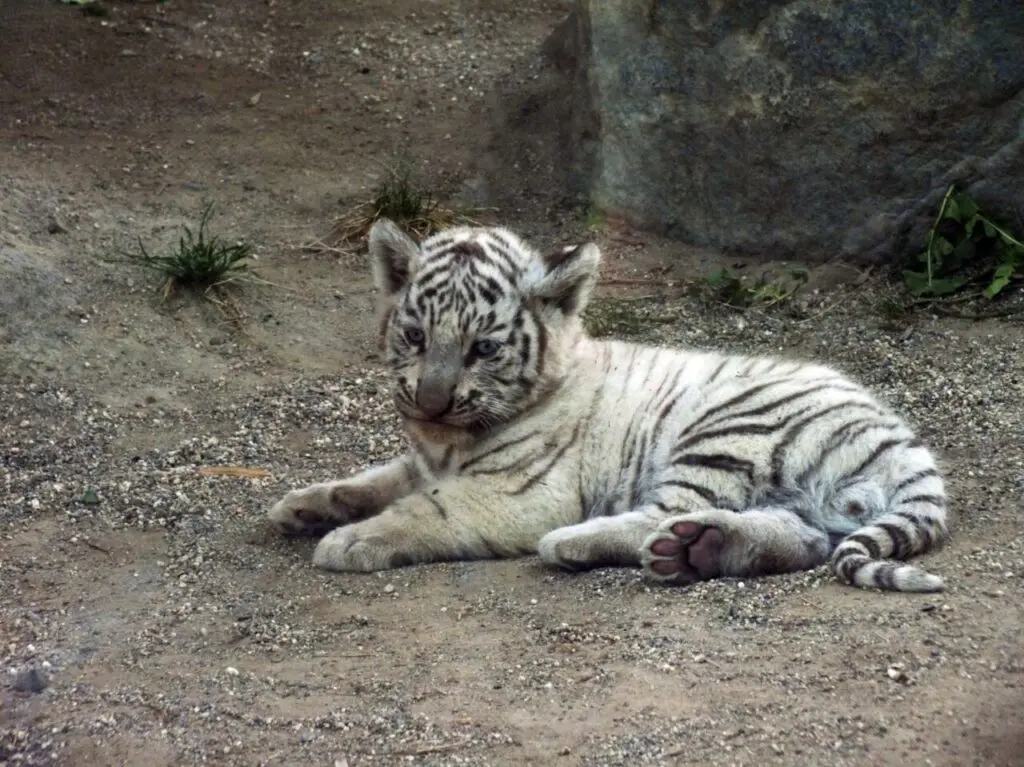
point(528, 436)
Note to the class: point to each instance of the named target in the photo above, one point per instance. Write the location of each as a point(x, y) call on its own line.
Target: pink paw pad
point(692, 552)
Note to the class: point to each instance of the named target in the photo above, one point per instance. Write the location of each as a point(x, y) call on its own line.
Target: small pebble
point(31, 680)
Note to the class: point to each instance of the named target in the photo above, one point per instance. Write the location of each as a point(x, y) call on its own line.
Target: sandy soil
point(148, 617)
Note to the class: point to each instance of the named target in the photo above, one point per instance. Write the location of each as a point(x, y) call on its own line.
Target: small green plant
point(201, 261)
point(966, 253)
point(739, 292)
point(400, 198)
point(593, 216)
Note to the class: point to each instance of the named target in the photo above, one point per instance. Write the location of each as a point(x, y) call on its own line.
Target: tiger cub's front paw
point(318, 509)
point(349, 550)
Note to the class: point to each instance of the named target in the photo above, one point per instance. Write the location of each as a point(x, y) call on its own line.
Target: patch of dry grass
point(400, 198)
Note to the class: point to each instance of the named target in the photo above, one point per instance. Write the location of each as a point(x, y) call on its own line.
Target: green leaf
point(962, 255)
point(1015, 255)
point(800, 274)
point(90, 497)
point(947, 285)
point(967, 207)
point(720, 279)
point(943, 246)
point(952, 209)
point(917, 283)
point(990, 231)
point(1000, 279)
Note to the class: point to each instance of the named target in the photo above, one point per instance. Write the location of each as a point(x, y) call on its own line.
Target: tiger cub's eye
point(485, 347)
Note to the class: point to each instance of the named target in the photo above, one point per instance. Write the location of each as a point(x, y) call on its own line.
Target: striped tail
point(915, 525)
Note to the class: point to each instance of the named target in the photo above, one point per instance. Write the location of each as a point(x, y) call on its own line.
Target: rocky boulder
point(809, 128)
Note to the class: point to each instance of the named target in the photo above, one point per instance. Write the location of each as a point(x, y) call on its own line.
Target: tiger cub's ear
point(393, 256)
point(565, 278)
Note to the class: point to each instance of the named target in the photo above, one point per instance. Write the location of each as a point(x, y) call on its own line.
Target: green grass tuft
point(400, 198)
point(202, 261)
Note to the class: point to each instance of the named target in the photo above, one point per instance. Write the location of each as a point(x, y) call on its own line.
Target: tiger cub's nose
point(438, 379)
point(433, 400)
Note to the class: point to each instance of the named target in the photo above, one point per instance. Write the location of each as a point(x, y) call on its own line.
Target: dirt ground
point(147, 616)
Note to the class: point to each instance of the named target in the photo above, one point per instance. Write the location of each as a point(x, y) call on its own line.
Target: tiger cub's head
point(477, 327)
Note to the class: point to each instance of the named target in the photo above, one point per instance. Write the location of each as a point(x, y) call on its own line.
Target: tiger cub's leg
point(318, 509)
point(465, 517)
point(717, 543)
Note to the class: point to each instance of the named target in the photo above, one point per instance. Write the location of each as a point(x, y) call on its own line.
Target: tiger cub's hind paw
point(683, 551)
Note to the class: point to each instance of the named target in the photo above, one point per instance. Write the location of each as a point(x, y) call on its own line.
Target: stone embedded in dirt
point(31, 680)
point(779, 128)
point(896, 673)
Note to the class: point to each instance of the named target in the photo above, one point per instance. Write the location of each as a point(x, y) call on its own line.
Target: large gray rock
point(810, 128)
